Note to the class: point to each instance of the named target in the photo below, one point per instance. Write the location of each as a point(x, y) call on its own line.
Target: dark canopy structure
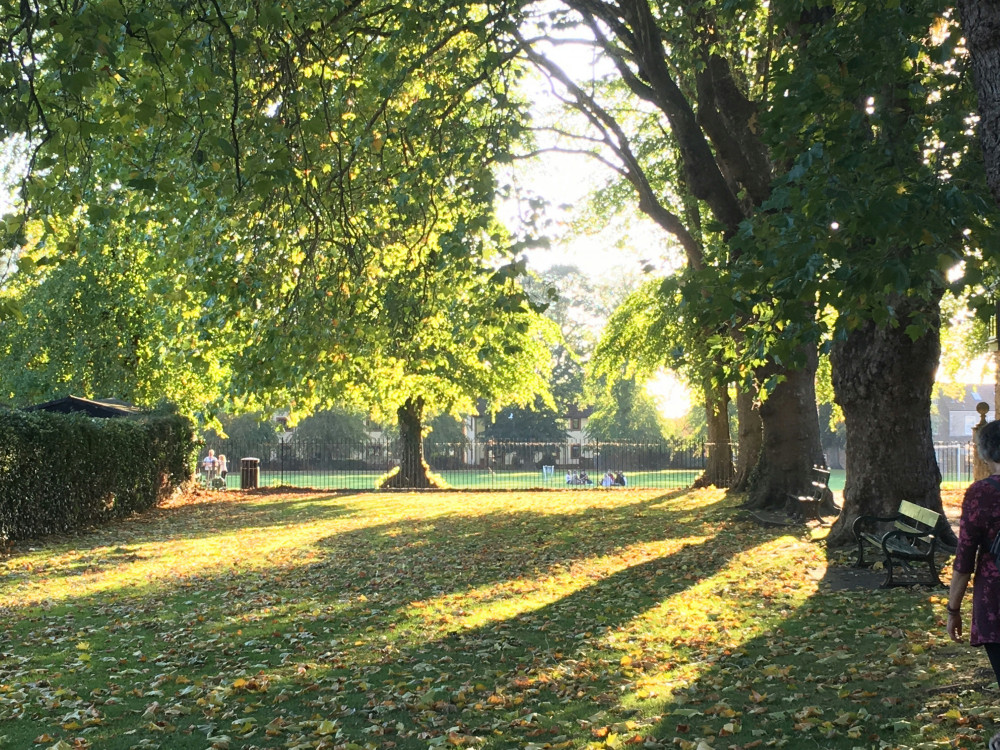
point(105, 409)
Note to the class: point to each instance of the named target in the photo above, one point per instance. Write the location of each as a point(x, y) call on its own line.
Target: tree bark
point(413, 471)
point(719, 464)
point(749, 439)
point(981, 26)
point(882, 380)
point(790, 437)
point(726, 164)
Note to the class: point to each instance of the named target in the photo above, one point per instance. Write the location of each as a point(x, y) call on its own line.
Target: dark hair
point(988, 441)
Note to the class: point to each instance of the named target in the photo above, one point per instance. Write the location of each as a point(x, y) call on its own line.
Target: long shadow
point(536, 539)
point(120, 542)
point(366, 624)
point(228, 512)
point(338, 638)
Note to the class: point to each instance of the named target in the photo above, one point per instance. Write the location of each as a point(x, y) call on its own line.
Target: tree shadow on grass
point(379, 629)
point(538, 536)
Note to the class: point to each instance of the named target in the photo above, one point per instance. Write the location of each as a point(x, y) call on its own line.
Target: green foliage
point(113, 320)
point(62, 473)
point(447, 429)
point(660, 326)
point(625, 411)
point(245, 429)
point(541, 424)
point(883, 196)
point(320, 181)
point(332, 426)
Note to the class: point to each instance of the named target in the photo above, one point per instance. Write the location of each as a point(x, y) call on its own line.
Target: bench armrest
point(860, 520)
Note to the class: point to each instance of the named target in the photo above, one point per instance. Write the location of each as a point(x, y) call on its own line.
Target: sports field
point(477, 479)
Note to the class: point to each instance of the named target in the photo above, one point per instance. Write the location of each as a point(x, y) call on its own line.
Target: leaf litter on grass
point(494, 620)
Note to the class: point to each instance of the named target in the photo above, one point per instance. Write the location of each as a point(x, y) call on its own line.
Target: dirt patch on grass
point(201, 496)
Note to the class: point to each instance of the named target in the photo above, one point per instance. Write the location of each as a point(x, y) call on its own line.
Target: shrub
point(63, 472)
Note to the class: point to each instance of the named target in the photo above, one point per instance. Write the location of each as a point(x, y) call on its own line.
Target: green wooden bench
point(807, 504)
point(911, 539)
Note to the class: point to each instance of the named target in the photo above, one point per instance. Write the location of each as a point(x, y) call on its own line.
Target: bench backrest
point(916, 519)
point(822, 473)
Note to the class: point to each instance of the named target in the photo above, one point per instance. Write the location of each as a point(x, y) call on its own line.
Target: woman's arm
point(959, 583)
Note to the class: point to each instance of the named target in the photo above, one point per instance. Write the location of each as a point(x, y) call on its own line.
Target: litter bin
point(249, 473)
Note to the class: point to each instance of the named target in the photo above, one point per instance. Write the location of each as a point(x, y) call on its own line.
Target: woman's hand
point(955, 627)
point(959, 582)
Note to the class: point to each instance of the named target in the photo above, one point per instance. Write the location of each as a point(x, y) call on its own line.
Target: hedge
point(61, 473)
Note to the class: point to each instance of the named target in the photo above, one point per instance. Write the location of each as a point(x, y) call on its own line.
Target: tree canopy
point(316, 185)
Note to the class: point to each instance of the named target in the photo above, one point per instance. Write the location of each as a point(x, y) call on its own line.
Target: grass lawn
point(471, 479)
point(489, 620)
point(517, 480)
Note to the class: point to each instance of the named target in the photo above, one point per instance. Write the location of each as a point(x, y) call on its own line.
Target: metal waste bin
point(249, 473)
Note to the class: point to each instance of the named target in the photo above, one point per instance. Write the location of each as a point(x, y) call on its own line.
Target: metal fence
point(955, 460)
point(508, 465)
point(471, 465)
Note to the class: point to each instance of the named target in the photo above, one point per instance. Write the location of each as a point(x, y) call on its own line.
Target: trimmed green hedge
point(64, 472)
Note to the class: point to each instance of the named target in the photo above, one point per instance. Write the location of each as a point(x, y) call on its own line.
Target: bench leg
point(860, 562)
point(935, 578)
point(888, 583)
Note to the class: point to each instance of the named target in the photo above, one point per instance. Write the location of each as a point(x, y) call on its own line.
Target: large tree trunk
point(882, 380)
point(412, 472)
point(719, 464)
point(791, 444)
point(981, 25)
point(749, 439)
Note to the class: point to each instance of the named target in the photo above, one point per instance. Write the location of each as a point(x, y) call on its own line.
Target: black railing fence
point(475, 465)
point(955, 460)
point(513, 465)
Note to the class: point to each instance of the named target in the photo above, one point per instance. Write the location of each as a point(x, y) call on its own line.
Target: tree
point(693, 91)
point(538, 424)
point(327, 173)
point(580, 305)
point(654, 329)
point(470, 336)
point(877, 205)
point(980, 22)
point(112, 321)
point(625, 412)
point(333, 426)
point(514, 426)
point(250, 430)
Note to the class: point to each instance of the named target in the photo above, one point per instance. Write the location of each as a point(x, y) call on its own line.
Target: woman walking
point(979, 525)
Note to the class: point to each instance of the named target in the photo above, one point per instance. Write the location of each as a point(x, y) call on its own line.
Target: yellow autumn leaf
point(326, 727)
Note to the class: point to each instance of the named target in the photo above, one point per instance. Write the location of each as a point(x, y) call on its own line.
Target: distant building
point(956, 415)
point(572, 452)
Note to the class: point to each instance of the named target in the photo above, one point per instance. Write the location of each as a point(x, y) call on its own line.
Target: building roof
point(105, 408)
point(575, 412)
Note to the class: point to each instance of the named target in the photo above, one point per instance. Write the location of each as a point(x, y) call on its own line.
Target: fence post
point(980, 469)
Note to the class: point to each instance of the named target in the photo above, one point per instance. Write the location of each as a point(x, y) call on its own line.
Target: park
point(497, 620)
point(423, 272)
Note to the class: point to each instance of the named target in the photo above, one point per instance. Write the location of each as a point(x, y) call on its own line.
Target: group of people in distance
point(610, 479)
point(614, 479)
point(214, 466)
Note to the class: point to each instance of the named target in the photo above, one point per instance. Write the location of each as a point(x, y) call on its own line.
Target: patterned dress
point(979, 525)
